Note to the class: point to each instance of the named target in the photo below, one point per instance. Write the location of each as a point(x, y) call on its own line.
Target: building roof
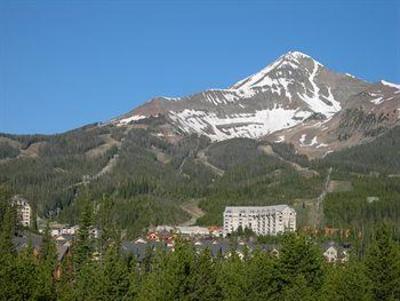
point(216, 247)
point(62, 250)
point(20, 200)
point(276, 208)
point(23, 239)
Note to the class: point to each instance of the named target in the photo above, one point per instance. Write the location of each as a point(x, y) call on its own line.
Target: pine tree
point(8, 225)
point(65, 285)
point(204, 279)
point(346, 282)
point(26, 275)
point(383, 266)
point(153, 287)
point(5, 196)
point(106, 223)
point(8, 260)
point(89, 282)
point(48, 263)
point(300, 263)
point(83, 247)
point(233, 278)
point(115, 275)
point(179, 271)
point(48, 250)
point(260, 276)
point(298, 289)
point(134, 281)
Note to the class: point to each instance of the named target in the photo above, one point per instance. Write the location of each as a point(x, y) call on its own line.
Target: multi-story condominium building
point(269, 220)
point(24, 210)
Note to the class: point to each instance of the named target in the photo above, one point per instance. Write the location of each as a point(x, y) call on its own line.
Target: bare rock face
point(293, 100)
point(364, 117)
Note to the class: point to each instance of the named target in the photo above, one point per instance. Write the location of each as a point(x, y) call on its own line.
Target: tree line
point(96, 269)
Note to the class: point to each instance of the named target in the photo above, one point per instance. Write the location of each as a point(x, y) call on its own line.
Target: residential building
point(62, 229)
point(331, 254)
point(268, 220)
point(24, 210)
point(216, 247)
point(334, 252)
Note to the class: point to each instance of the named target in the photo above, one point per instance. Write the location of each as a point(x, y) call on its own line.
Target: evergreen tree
point(346, 282)
point(232, 278)
point(48, 250)
point(134, 281)
point(152, 281)
point(299, 264)
point(383, 266)
point(26, 275)
point(83, 247)
point(261, 276)
point(47, 266)
point(89, 282)
point(106, 223)
point(298, 289)
point(115, 275)
point(204, 279)
point(8, 226)
point(65, 284)
point(8, 271)
point(179, 269)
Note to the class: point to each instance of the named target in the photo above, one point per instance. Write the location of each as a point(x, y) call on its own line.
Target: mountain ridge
point(282, 96)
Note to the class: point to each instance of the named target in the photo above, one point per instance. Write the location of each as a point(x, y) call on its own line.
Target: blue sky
point(64, 64)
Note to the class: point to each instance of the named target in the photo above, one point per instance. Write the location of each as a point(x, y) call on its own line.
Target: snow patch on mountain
point(315, 102)
point(251, 125)
point(172, 98)
point(392, 85)
point(377, 101)
point(125, 121)
point(314, 141)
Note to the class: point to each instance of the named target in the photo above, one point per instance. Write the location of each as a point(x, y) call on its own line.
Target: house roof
point(24, 238)
point(341, 248)
point(62, 251)
point(216, 247)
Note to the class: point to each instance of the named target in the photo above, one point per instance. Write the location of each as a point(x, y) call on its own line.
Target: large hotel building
point(268, 220)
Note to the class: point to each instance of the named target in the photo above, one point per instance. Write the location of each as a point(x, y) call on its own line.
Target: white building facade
point(24, 210)
point(268, 220)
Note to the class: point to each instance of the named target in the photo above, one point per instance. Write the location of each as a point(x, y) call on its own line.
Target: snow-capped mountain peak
point(284, 94)
point(291, 60)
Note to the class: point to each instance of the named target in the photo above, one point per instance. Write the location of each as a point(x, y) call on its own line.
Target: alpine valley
point(295, 132)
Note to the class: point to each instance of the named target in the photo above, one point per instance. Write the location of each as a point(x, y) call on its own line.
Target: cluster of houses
point(269, 220)
point(333, 252)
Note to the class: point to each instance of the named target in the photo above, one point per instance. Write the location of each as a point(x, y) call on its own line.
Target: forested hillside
point(149, 177)
point(382, 155)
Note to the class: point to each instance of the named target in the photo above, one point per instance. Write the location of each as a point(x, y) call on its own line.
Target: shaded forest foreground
point(96, 269)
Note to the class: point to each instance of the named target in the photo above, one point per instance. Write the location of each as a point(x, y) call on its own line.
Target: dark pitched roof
point(62, 251)
point(138, 250)
point(23, 239)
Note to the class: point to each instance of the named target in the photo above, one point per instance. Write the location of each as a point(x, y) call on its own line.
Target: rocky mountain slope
point(295, 99)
